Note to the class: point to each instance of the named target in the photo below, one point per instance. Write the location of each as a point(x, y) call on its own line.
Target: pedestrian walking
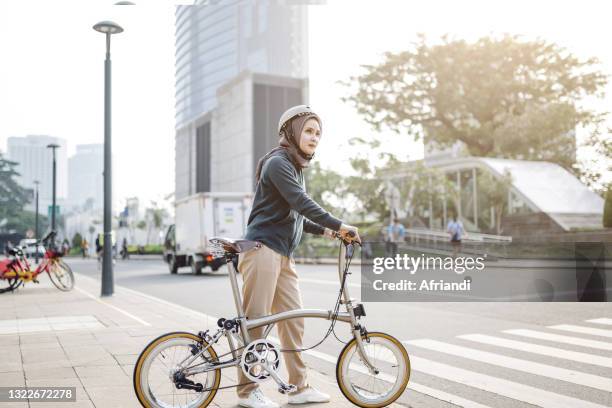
point(395, 234)
point(456, 233)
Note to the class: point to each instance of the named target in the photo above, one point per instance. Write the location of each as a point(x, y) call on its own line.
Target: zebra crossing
point(544, 384)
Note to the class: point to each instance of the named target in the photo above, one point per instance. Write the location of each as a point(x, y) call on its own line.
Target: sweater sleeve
point(282, 174)
point(312, 227)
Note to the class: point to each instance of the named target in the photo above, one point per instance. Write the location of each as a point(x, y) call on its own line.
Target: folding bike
point(182, 369)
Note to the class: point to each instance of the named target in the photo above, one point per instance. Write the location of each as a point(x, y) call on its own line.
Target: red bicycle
point(16, 270)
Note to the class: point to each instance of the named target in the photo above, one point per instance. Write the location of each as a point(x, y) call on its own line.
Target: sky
point(51, 75)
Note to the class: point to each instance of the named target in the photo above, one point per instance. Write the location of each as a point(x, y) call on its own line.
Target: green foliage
point(12, 196)
point(77, 240)
point(496, 191)
point(25, 220)
point(325, 187)
point(502, 97)
point(598, 158)
point(607, 215)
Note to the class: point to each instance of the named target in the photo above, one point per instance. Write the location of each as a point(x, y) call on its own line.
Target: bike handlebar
point(350, 234)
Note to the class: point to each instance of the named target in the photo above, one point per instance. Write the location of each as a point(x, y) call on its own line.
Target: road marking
point(576, 341)
point(423, 389)
point(180, 308)
point(571, 376)
point(128, 314)
point(542, 350)
point(500, 386)
point(601, 321)
point(583, 330)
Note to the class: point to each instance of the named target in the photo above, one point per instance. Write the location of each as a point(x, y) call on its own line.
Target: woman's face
point(311, 134)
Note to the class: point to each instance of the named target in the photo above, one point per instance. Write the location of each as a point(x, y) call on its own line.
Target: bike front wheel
point(10, 285)
point(370, 390)
point(158, 364)
point(61, 275)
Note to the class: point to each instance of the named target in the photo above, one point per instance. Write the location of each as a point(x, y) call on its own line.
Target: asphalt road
point(474, 354)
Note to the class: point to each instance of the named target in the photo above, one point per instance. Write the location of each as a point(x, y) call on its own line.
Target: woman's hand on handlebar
point(349, 233)
point(330, 234)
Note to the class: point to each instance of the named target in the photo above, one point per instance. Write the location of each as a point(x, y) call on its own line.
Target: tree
point(607, 215)
point(325, 187)
point(496, 191)
point(597, 160)
point(12, 196)
point(503, 97)
point(26, 220)
point(155, 217)
point(77, 240)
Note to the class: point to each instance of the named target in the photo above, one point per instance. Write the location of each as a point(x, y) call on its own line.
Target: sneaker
point(308, 395)
point(257, 399)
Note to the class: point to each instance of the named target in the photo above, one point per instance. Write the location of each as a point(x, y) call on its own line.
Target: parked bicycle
point(16, 270)
point(183, 369)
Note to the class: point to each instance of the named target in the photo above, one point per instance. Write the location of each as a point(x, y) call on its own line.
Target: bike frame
point(246, 324)
point(21, 264)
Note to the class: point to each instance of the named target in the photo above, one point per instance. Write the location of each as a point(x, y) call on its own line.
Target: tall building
point(85, 177)
point(239, 65)
point(35, 162)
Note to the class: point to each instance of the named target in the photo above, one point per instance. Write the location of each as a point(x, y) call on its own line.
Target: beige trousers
point(270, 285)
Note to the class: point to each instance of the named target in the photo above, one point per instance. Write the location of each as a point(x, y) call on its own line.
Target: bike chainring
point(258, 358)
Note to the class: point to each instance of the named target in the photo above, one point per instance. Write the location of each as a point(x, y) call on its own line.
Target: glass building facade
point(215, 41)
point(218, 44)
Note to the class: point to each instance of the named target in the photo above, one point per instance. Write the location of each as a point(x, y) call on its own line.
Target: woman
point(281, 211)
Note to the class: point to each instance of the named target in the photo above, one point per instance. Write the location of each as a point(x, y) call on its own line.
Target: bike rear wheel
point(61, 275)
point(370, 390)
point(153, 373)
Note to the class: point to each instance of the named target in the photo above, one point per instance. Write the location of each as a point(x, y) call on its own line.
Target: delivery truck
point(198, 218)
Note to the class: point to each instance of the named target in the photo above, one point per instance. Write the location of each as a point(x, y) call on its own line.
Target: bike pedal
point(287, 389)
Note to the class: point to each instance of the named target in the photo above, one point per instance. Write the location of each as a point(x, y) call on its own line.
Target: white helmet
point(290, 113)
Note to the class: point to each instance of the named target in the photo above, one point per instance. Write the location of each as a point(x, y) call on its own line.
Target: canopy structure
point(542, 186)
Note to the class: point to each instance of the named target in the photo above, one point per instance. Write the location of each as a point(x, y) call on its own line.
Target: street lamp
point(53, 147)
point(107, 28)
point(36, 183)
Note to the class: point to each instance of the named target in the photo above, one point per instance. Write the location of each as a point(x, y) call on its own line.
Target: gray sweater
point(282, 209)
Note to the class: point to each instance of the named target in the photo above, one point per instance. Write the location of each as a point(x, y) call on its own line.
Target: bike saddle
point(14, 251)
point(235, 246)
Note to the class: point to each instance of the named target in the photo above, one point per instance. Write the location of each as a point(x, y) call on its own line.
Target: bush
point(146, 249)
point(607, 215)
point(77, 240)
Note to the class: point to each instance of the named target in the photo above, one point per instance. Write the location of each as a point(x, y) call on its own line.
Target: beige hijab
point(289, 142)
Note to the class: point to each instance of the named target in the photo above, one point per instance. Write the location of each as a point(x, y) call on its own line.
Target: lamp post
point(36, 183)
point(107, 28)
point(53, 147)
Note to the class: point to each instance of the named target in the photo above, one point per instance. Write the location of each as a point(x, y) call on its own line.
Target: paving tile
point(12, 378)
point(104, 371)
point(51, 373)
point(128, 369)
point(126, 358)
point(106, 381)
point(73, 404)
point(8, 340)
point(10, 366)
point(42, 345)
point(37, 338)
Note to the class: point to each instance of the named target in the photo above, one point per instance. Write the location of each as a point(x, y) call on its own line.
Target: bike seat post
point(234, 282)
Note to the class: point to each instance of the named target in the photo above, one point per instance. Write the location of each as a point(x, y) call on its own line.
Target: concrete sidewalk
point(52, 338)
